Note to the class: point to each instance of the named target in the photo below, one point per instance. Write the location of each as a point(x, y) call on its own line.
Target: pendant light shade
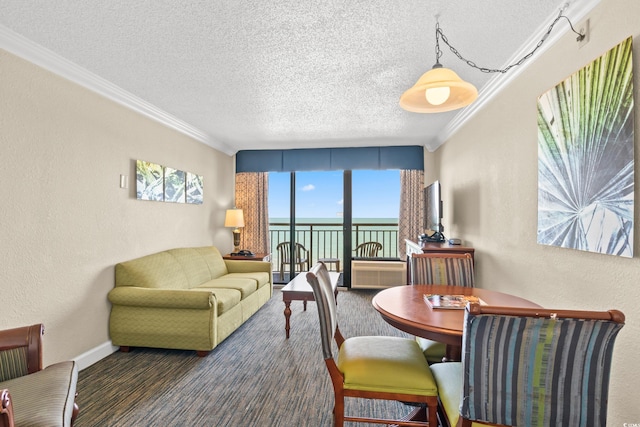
point(438, 90)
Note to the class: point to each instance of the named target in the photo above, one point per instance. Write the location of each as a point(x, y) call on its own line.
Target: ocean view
point(336, 220)
point(323, 237)
point(319, 204)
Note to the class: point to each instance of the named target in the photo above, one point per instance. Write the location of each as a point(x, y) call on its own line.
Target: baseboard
point(94, 355)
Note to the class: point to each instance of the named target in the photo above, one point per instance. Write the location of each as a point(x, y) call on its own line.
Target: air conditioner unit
point(378, 274)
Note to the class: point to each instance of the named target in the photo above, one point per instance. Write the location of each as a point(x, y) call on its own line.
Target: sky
point(376, 194)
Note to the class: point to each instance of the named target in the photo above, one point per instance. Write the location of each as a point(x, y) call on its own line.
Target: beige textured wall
point(489, 177)
point(64, 220)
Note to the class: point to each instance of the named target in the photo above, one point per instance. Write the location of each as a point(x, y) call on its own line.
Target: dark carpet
point(255, 377)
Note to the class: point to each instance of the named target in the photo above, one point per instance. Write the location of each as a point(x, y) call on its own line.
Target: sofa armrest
point(6, 409)
point(162, 298)
point(240, 266)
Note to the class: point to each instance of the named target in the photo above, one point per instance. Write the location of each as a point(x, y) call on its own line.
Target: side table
point(255, 257)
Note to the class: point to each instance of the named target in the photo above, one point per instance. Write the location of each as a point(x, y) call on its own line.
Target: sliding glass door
point(305, 215)
point(376, 205)
point(326, 215)
point(319, 202)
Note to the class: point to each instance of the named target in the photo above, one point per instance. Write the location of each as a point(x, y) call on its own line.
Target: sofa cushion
point(262, 278)
point(44, 398)
point(160, 270)
point(244, 285)
point(227, 298)
point(212, 257)
point(194, 265)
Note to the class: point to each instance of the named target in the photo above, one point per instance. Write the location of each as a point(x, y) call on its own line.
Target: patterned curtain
point(411, 206)
point(252, 197)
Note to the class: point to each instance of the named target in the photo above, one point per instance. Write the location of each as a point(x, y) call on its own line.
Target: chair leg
point(338, 412)
point(75, 412)
point(432, 411)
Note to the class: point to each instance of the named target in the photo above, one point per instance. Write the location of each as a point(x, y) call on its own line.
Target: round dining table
point(405, 308)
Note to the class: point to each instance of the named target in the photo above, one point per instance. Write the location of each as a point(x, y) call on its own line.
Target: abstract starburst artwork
point(585, 157)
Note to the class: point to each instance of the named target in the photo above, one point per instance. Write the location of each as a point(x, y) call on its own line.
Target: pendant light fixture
point(441, 89)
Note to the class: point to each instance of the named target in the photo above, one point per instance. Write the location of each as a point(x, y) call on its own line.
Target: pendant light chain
point(439, 34)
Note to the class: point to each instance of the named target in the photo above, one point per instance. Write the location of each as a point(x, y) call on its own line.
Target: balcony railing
point(326, 240)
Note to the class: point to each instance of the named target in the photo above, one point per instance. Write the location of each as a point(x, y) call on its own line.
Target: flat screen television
point(433, 213)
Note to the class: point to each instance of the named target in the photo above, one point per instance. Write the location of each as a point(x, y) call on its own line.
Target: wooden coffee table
point(300, 290)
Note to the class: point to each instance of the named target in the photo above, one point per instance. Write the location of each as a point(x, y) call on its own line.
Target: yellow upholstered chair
point(368, 249)
point(301, 259)
point(373, 367)
point(29, 394)
point(439, 269)
point(530, 367)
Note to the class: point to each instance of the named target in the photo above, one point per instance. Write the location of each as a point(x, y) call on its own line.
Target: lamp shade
point(438, 79)
point(234, 218)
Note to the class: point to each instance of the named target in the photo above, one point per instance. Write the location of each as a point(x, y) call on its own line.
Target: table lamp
point(235, 219)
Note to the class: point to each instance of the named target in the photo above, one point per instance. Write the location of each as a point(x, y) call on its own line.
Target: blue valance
point(327, 159)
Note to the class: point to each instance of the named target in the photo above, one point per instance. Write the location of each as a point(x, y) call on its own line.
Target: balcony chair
point(368, 249)
point(301, 257)
point(530, 367)
point(439, 269)
point(30, 395)
point(374, 367)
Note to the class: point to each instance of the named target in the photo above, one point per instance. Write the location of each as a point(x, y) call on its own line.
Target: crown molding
point(500, 81)
point(39, 55)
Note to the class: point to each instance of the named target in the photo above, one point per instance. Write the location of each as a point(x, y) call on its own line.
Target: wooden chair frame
point(31, 338)
point(464, 256)
point(319, 279)
point(477, 309)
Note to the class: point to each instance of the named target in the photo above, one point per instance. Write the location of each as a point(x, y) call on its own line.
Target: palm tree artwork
point(585, 157)
point(194, 188)
point(149, 181)
point(174, 185)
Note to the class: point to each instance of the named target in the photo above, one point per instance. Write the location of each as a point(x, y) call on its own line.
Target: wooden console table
point(433, 247)
point(300, 290)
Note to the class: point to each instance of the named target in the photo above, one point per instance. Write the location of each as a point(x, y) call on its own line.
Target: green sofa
point(186, 298)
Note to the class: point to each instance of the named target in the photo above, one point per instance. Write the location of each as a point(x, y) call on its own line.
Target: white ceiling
point(247, 74)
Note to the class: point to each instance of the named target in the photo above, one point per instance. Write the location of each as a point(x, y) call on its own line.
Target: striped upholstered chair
point(530, 367)
point(374, 367)
point(30, 395)
point(439, 269)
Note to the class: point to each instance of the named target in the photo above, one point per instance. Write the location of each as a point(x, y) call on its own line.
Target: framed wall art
point(166, 184)
point(194, 188)
point(585, 157)
point(149, 181)
point(174, 185)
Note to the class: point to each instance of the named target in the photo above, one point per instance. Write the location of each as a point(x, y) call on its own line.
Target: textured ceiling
point(282, 73)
